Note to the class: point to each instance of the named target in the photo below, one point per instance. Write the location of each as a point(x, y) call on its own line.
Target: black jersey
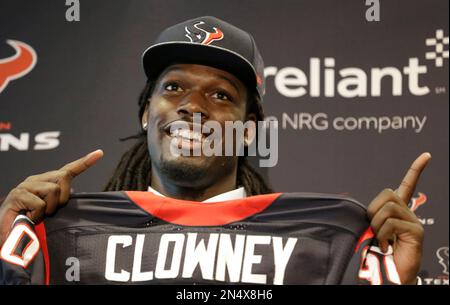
point(142, 238)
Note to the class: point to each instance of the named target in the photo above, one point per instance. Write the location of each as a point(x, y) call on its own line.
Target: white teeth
point(187, 134)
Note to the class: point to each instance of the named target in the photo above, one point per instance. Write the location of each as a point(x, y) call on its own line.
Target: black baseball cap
point(207, 41)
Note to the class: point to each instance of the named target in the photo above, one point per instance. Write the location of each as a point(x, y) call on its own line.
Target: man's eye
point(172, 87)
point(222, 96)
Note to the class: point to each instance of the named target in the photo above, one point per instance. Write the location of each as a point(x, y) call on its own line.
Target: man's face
point(180, 91)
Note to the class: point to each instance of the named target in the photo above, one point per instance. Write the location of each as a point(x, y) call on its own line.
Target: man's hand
point(43, 194)
point(393, 222)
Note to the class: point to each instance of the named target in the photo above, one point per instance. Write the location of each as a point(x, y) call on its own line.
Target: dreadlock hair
point(134, 169)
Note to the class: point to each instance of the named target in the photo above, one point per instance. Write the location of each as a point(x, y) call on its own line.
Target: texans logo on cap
point(198, 35)
point(207, 41)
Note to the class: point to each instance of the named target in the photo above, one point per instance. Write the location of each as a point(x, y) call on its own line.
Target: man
point(209, 68)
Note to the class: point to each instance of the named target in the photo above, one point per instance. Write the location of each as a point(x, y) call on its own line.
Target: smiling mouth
point(186, 132)
point(187, 135)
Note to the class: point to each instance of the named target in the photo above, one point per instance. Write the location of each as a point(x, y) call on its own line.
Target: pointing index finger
point(408, 185)
point(78, 166)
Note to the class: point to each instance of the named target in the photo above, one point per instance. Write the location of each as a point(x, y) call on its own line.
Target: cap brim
point(158, 57)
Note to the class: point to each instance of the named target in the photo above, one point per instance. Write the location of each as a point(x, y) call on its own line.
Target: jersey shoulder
point(339, 211)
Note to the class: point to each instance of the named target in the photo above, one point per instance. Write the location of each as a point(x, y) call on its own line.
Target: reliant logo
point(438, 54)
point(324, 80)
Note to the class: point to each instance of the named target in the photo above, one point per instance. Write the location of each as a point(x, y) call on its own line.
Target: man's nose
point(194, 102)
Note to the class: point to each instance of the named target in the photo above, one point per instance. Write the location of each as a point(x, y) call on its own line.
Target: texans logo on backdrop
point(439, 279)
point(198, 35)
point(416, 202)
point(18, 65)
point(442, 255)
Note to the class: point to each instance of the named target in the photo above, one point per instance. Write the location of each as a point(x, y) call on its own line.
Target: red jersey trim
point(42, 236)
point(368, 234)
point(192, 213)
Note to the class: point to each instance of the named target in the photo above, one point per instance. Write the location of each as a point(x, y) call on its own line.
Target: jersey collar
point(238, 193)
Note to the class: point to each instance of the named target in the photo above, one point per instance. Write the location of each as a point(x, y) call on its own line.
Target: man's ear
point(144, 119)
point(250, 132)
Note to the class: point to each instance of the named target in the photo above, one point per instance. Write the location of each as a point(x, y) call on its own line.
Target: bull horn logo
point(199, 35)
point(442, 255)
point(18, 65)
point(418, 201)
